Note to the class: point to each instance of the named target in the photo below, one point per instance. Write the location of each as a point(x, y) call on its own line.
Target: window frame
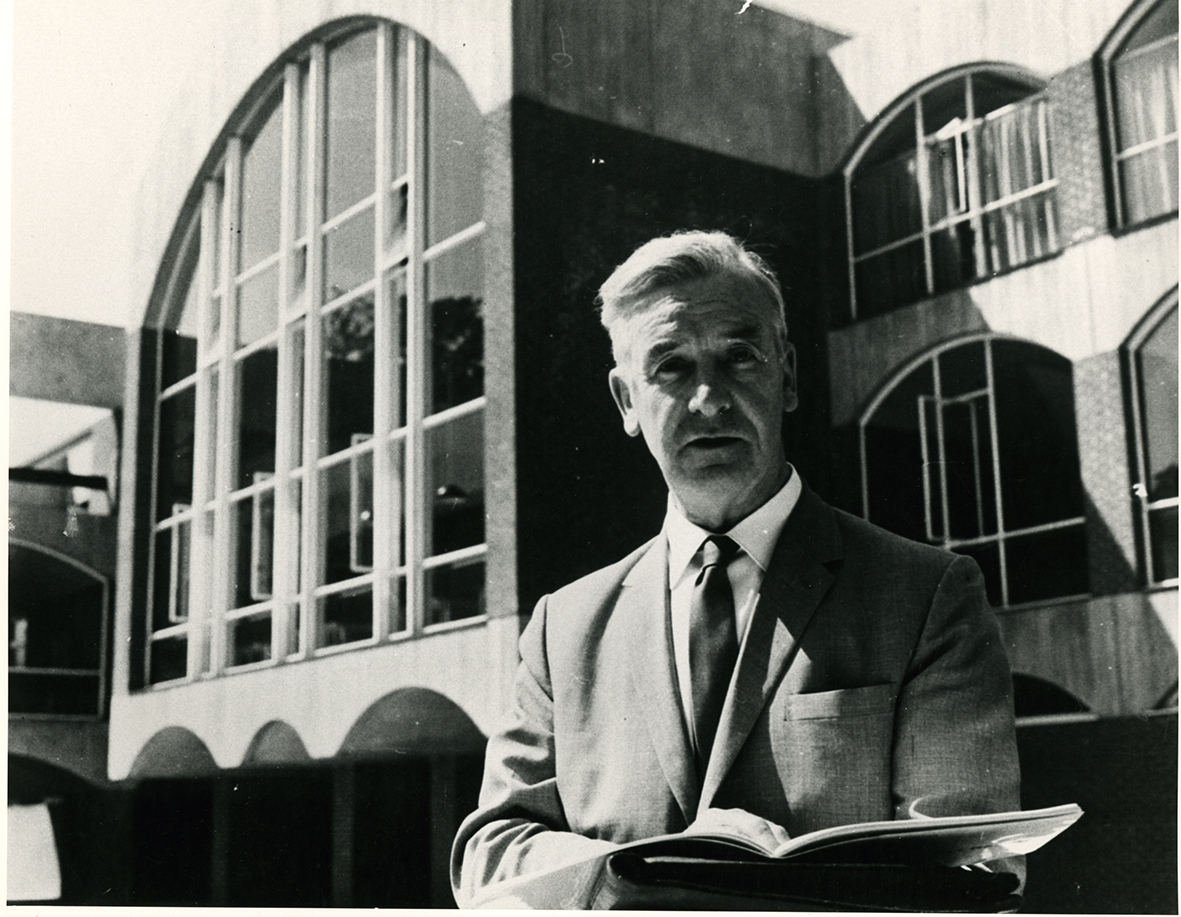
point(1144, 507)
point(1002, 534)
point(975, 209)
point(1109, 52)
point(402, 64)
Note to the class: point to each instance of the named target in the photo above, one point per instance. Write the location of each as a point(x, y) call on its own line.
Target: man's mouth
point(713, 442)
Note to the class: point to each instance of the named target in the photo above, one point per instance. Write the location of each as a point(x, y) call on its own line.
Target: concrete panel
point(58, 359)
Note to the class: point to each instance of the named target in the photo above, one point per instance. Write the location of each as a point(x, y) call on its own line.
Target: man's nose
point(710, 395)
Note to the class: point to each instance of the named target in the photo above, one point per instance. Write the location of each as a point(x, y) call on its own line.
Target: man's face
point(703, 376)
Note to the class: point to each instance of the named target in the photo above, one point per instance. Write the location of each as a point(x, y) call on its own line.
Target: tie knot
point(718, 550)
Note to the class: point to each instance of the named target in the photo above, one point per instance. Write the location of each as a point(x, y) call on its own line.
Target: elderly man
point(767, 663)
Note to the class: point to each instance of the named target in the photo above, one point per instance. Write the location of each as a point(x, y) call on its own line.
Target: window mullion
point(973, 131)
point(383, 345)
point(313, 515)
point(924, 178)
point(416, 336)
point(941, 449)
point(996, 473)
point(285, 541)
point(227, 404)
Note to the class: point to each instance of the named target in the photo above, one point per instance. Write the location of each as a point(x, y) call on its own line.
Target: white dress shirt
point(756, 535)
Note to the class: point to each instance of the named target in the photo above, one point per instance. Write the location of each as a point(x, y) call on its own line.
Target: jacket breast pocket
point(835, 749)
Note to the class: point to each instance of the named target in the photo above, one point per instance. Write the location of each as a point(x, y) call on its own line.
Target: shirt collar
point(756, 534)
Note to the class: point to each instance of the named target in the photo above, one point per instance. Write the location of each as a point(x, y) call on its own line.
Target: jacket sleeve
point(955, 748)
point(519, 825)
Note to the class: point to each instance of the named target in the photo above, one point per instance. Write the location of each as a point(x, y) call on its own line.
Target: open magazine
point(895, 856)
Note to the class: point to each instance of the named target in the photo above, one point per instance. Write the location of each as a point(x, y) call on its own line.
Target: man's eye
point(672, 368)
point(743, 356)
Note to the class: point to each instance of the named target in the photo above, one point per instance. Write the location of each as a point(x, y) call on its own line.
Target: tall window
point(320, 473)
point(1153, 364)
point(974, 449)
point(1141, 75)
point(956, 185)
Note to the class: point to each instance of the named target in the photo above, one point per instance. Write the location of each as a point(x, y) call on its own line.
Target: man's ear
point(621, 392)
point(791, 398)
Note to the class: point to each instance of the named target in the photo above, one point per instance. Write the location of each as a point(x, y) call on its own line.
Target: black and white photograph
point(593, 454)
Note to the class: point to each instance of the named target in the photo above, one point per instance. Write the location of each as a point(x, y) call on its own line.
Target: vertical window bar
point(852, 262)
point(384, 344)
point(974, 128)
point(1043, 138)
point(977, 470)
point(227, 414)
point(942, 449)
point(924, 175)
point(313, 522)
point(996, 473)
point(416, 333)
point(285, 536)
point(864, 469)
point(925, 450)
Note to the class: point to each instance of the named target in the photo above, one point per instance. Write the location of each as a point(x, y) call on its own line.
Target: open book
point(892, 848)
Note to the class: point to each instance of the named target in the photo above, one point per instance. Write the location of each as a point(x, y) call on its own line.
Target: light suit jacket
point(871, 683)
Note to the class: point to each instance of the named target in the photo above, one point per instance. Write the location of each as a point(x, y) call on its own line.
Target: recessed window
point(1141, 74)
point(1152, 361)
point(974, 449)
point(320, 452)
point(956, 185)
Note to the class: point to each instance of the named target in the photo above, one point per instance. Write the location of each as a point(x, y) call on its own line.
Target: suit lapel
point(795, 583)
point(643, 603)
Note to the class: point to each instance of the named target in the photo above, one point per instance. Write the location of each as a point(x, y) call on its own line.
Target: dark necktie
point(713, 641)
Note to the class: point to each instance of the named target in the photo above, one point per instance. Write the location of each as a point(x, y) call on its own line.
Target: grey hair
point(679, 258)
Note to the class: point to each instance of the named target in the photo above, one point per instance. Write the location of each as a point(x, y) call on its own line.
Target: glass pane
point(1021, 231)
point(302, 153)
point(894, 457)
point(348, 255)
point(1157, 366)
point(261, 181)
point(885, 201)
point(250, 639)
point(62, 633)
point(254, 549)
point(1162, 525)
point(395, 234)
point(455, 293)
point(1047, 565)
point(396, 376)
point(988, 557)
point(1149, 182)
point(953, 256)
point(455, 144)
point(1011, 152)
point(398, 133)
point(1036, 435)
point(170, 580)
point(891, 279)
point(455, 593)
point(179, 340)
point(398, 619)
point(352, 121)
point(174, 473)
point(258, 306)
point(49, 694)
point(168, 659)
point(347, 498)
point(346, 617)
point(455, 459)
point(991, 91)
point(971, 485)
point(348, 373)
point(1146, 94)
point(396, 511)
point(298, 344)
point(962, 370)
point(257, 406)
point(947, 177)
point(945, 106)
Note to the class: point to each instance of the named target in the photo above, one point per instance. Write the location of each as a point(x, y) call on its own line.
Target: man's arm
point(520, 825)
point(955, 748)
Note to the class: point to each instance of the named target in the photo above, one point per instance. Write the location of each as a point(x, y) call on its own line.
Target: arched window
point(1152, 363)
point(974, 448)
point(320, 452)
point(956, 183)
point(1140, 72)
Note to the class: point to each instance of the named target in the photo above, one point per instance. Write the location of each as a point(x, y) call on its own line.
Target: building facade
point(366, 424)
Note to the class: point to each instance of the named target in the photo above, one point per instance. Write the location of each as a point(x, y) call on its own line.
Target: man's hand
point(765, 834)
